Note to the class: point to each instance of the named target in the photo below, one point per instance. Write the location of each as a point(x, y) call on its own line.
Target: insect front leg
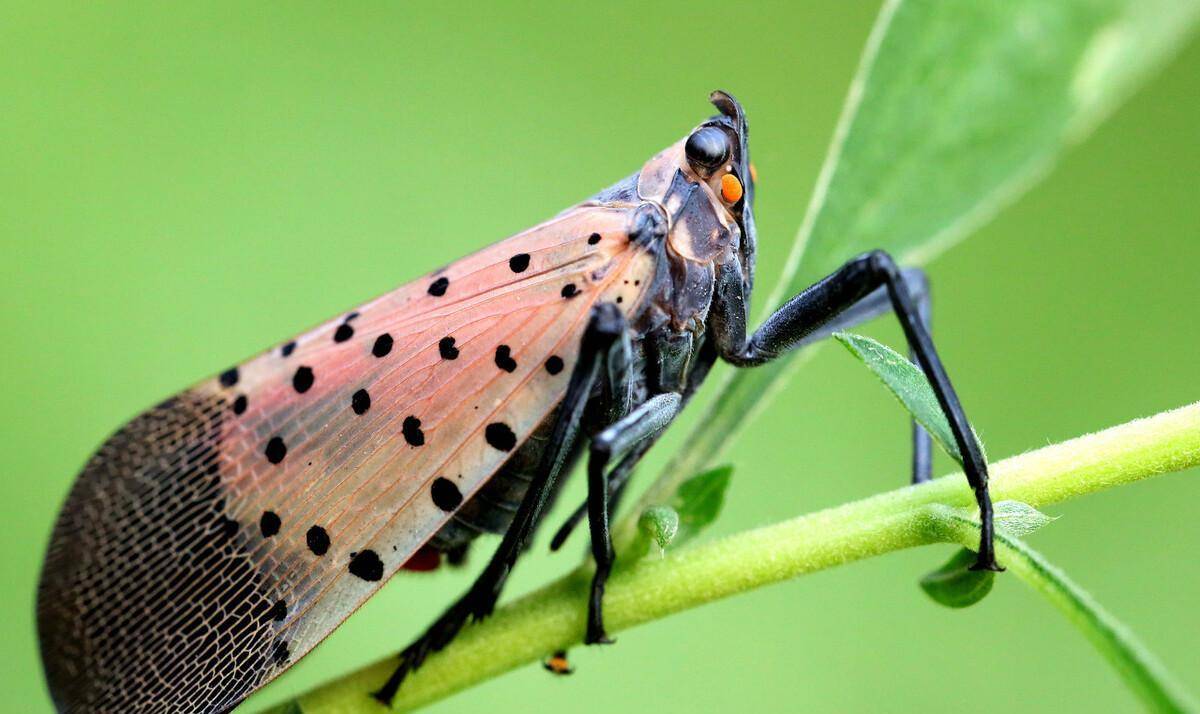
point(643, 423)
point(875, 304)
point(922, 451)
point(605, 327)
point(814, 309)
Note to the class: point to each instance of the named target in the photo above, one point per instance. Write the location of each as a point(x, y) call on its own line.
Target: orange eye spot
point(731, 188)
point(753, 173)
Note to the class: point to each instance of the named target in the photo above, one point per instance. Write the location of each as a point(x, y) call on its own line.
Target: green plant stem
point(552, 617)
point(1147, 677)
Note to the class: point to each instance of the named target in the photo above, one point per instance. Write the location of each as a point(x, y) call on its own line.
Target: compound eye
point(707, 148)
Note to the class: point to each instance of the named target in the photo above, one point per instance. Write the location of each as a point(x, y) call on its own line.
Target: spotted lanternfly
point(219, 536)
point(558, 664)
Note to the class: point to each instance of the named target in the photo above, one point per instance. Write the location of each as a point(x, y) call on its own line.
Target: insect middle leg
point(606, 327)
point(821, 304)
point(618, 478)
point(645, 422)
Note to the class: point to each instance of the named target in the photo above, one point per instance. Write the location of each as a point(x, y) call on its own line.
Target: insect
point(558, 664)
point(219, 536)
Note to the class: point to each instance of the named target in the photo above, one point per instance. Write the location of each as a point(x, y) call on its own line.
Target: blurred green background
point(183, 185)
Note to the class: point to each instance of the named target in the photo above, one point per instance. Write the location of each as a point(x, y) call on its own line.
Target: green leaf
point(908, 384)
point(1142, 672)
point(1019, 519)
point(955, 585)
point(957, 109)
point(964, 107)
point(699, 501)
point(660, 524)
point(695, 506)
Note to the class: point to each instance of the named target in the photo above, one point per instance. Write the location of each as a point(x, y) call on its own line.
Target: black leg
point(876, 304)
point(646, 421)
point(821, 304)
point(873, 305)
point(922, 451)
point(617, 478)
point(653, 426)
point(607, 325)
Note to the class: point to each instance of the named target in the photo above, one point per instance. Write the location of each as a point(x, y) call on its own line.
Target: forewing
point(221, 535)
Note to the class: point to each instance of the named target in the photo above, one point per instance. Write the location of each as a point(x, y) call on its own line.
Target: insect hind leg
point(605, 327)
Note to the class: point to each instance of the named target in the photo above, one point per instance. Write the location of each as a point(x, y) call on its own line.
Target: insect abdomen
point(492, 508)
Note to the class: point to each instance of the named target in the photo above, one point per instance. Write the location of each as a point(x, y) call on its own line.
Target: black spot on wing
point(317, 540)
point(303, 379)
point(240, 404)
point(446, 495)
point(269, 523)
point(504, 359)
point(519, 262)
point(593, 239)
point(278, 611)
point(500, 436)
point(367, 565)
point(343, 332)
point(447, 349)
point(383, 345)
point(229, 377)
point(276, 449)
point(360, 402)
point(226, 527)
point(280, 653)
point(288, 349)
point(438, 287)
point(411, 428)
point(554, 364)
point(569, 290)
